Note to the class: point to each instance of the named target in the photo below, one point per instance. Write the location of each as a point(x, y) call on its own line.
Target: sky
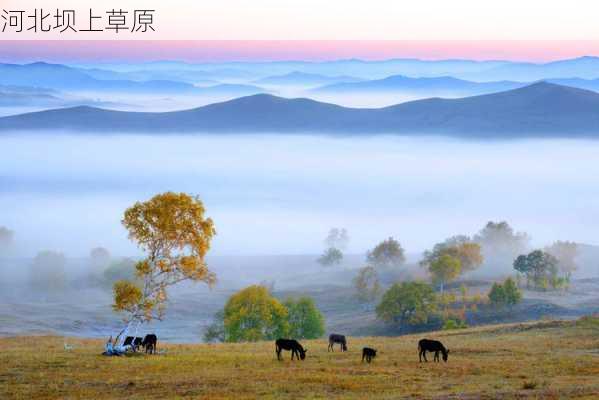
point(224, 30)
point(271, 50)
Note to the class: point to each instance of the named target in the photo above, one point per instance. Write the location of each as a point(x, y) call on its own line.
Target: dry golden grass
point(546, 360)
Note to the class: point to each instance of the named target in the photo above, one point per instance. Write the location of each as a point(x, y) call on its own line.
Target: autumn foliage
point(172, 229)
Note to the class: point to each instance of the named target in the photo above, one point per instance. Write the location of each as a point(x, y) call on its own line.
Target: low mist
point(279, 195)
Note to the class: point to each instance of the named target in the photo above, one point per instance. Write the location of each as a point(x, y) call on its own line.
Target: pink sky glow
point(308, 50)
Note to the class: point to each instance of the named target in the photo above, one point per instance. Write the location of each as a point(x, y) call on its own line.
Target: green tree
point(386, 254)
point(444, 270)
point(513, 294)
point(407, 303)
point(172, 229)
point(331, 256)
point(539, 267)
point(253, 314)
point(497, 295)
point(506, 294)
point(305, 320)
point(367, 285)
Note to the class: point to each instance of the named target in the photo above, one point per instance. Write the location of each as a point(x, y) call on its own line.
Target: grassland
point(543, 360)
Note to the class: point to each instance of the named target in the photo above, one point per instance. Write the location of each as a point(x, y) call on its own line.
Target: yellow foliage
point(172, 229)
point(126, 296)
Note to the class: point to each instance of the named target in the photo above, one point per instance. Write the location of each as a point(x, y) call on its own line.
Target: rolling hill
point(70, 79)
point(441, 86)
point(296, 78)
point(542, 109)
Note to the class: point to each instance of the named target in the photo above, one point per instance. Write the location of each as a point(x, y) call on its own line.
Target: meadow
point(540, 360)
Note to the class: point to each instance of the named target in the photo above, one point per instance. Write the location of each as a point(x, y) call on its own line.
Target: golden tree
point(172, 229)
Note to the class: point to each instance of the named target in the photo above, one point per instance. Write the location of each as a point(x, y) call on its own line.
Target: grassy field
point(544, 360)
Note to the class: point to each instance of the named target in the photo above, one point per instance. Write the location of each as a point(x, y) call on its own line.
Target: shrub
point(454, 323)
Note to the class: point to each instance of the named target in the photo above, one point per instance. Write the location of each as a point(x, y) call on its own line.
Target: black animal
point(334, 338)
point(149, 343)
point(133, 341)
point(368, 354)
point(435, 346)
point(290, 344)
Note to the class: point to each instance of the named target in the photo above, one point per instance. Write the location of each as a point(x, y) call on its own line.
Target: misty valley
point(273, 200)
point(299, 229)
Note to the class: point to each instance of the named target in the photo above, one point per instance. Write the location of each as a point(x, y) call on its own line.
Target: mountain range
point(70, 79)
point(304, 79)
point(541, 109)
point(440, 86)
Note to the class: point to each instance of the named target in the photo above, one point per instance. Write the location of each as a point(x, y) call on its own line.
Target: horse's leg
point(436, 357)
point(424, 355)
point(278, 351)
point(363, 357)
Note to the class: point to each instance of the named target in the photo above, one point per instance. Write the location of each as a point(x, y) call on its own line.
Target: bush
point(454, 323)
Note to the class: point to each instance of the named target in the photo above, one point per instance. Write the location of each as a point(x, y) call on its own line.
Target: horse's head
point(445, 354)
point(344, 346)
point(303, 353)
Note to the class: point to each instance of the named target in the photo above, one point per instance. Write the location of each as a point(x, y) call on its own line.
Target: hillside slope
point(541, 109)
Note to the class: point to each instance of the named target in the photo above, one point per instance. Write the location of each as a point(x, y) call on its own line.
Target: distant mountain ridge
point(302, 78)
point(444, 85)
point(62, 77)
point(539, 110)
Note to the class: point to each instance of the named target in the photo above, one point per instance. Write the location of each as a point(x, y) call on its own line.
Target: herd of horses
point(148, 343)
point(299, 352)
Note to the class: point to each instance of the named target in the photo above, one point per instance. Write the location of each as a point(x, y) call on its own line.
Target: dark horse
point(290, 344)
point(435, 346)
point(149, 343)
point(133, 341)
point(368, 354)
point(334, 338)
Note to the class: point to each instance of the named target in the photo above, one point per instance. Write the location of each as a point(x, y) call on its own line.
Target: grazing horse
point(149, 343)
point(368, 354)
point(435, 346)
point(334, 338)
point(290, 344)
point(133, 341)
